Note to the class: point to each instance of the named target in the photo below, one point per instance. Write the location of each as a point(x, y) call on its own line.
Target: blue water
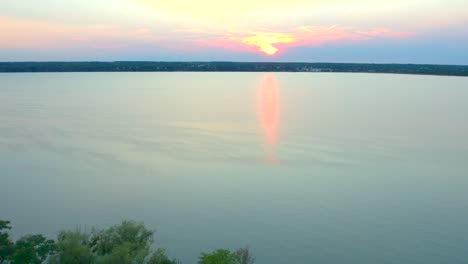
point(302, 167)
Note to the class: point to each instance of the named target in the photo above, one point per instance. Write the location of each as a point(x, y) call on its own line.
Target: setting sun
point(265, 40)
point(268, 49)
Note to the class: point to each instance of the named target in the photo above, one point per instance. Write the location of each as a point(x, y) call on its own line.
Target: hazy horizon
point(311, 62)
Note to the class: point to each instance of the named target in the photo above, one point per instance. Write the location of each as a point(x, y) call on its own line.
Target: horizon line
point(231, 61)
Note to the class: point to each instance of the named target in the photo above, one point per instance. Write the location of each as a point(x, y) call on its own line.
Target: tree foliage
point(73, 248)
point(244, 256)
point(129, 238)
point(219, 256)
point(6, 245)
point(223, 66)
point(127, 243)
point(33, 249)
point(224, 256)
point(160, 257)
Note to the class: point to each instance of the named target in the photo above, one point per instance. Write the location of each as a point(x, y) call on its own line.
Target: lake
point(302, 167)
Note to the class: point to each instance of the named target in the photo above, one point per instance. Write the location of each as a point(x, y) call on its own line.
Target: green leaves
point(73, 248)
point(127, 243)
point(4, 225)
point(219, 256)
point(130, 236)
point(159, 257)
point(224, 256)
point(244, 256)
point(33, 249)
point(6, 245)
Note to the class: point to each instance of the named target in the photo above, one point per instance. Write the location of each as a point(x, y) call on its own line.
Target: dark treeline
point(146, 66)
point(127, 243)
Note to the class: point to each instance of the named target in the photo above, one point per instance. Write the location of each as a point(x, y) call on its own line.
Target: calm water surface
point(304, 168)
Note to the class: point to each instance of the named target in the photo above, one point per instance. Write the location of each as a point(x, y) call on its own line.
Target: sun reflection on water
point(268, 112)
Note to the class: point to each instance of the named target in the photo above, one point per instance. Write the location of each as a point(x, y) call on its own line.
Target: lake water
point(302, 167)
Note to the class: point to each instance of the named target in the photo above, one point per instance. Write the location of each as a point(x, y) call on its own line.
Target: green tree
point(6, 245)
point(33, 249)
point(219, 256)
point(244, 256)
point(121, 255)
point(160, 257)
point(128, 242)
point(73, 248)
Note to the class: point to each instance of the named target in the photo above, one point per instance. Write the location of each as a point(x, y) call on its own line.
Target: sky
point(377, 31)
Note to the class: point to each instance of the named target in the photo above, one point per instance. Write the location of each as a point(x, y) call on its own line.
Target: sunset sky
point(397, 31)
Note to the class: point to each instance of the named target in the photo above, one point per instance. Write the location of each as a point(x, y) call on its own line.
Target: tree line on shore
point(229, 66)
point(127, 243)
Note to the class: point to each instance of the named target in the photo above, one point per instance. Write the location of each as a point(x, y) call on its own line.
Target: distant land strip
point(226, 66)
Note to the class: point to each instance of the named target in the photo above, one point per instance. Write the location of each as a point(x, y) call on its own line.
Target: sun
point(269, 49)
point(265, 40)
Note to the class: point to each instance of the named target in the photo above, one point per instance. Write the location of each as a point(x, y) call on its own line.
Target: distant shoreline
point(225, 66)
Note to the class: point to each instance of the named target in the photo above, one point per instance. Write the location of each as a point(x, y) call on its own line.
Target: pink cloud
point(35, 34)
point(384, 33)
point(142, 31)
point(24, 33)
point(315, 36)
point(110, 46)
point(270, 41)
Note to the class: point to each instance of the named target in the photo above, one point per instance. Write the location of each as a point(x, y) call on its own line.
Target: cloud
point(270, 42)
point(319, 35)
point(383, 32)
point(142, 31)
point(35, 34)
